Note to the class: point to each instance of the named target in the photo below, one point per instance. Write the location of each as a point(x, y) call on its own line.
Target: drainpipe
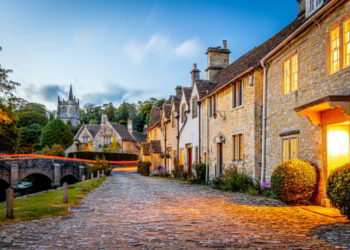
point(199, 133)
point(263, 160)
point(207, 165)
point(178, 139)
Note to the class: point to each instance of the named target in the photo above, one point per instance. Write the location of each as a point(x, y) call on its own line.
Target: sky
point(115, 51)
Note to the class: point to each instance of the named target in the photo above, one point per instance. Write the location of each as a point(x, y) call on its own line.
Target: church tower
point(69, 111)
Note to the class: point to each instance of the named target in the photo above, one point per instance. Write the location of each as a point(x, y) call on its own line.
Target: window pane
point(238, 91)
point(285, 150)
point(233, 147)
point(287, 77)
point(347, 42)
point(241, 148)
point(234, 95)
point(294, 148)
point(241, 93)
point(335, 50)
point(295, 72)
point(237, 147)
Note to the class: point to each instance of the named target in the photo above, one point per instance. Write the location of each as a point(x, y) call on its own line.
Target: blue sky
point(125, 50)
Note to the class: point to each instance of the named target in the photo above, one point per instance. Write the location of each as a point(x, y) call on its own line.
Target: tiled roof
point(167, 111)
point(154, 117)
point(139, 137)
point(187, 92)
point(252, 58)
point(204, 87)
point(123, 132)
point(156, 147)
point(93, 129)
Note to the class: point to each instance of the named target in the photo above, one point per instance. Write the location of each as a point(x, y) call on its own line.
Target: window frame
point(338, 49)
point(292, 71)
point(289, 141)
point(237, 94)
point(346, 44)
point(194, 107)
point(316, 7)
point(237, 148)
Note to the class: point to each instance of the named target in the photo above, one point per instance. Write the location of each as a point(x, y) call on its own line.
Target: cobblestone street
point(139, 212)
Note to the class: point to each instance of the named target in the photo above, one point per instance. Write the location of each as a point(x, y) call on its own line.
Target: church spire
point(70, 93)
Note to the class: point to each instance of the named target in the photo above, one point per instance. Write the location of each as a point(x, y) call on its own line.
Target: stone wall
point(245, 120)
point(314, 83)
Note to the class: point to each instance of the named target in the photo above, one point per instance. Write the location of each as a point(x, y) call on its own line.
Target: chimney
point(130, 126)
point(195, 74)
point(178, 90)
point(218, 58)
point(301, 7)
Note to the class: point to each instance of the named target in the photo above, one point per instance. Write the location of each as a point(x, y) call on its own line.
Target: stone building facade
point(308, 115)
point(69, 111)
point(102, 136)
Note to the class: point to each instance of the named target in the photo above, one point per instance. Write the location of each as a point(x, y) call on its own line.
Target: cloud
point(115, 94)
point(47, 93)
point(136, 51)
point(188, 48)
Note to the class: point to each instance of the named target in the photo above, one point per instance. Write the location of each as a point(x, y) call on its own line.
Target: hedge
point(105, 155)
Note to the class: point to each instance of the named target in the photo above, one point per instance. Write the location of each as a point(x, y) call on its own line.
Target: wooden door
point(219, 163)
point(189, 162)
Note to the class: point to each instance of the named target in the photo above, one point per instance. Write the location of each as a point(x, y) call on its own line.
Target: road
point(146, 213)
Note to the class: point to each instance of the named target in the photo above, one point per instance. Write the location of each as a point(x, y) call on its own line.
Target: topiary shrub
point(294, 181)
point(144, 168)
point(338, 189)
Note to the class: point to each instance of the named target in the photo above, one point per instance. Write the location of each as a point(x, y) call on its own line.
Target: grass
point(49, 204)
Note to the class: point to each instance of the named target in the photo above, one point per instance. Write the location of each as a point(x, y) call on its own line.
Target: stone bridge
point(13, 171)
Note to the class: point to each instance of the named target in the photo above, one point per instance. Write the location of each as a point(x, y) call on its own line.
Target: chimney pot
point(224, 43)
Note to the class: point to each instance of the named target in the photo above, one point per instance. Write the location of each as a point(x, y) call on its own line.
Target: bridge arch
point(69, 179)
point(35, 172)
point(3, 186)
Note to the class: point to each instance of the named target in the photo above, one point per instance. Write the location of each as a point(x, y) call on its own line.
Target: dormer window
point(312, 6)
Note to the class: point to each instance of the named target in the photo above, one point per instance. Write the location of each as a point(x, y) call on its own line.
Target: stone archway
point(3, 186)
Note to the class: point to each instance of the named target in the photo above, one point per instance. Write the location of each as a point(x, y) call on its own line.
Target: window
point(237, 141)
point(194, 107)
point(214, 104)
point(347, 43)
point(312, 6)
point(173, 121)
point(85, 139)
point(183, 112)
point(290, 149)
point(107, 139)
point(290, 74)
point(237, 94)
point(335, 50)
point(210, 107)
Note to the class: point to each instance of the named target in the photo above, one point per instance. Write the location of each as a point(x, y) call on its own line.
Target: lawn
point(49, 204)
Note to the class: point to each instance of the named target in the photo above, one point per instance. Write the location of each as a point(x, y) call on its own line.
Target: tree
point(56, 132)
point(32, 113)
point(28, 137)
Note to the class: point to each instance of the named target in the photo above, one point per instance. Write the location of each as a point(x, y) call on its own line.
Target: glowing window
point(347, 43)
point(237, 141)
point(335, 50)
point(290, 74)
point(290, 149)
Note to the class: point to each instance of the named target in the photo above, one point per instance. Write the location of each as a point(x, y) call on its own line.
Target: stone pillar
point(57, 174)
point(92, 176)
point(81, 172)
point(14, 174)
point(83, 178)
point(103, 173)
point(98, 174)
point(65, 193)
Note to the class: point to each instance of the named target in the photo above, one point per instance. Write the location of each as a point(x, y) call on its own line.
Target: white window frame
point(316, 6)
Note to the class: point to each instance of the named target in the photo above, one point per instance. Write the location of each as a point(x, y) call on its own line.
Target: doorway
point(338, 146)
point(218, 170)
point(189, 161)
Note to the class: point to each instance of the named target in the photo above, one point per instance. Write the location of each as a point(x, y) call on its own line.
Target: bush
point(234, 181)
point(200, 171)
point(55, 150)
point(108, 156)
point(338, 189)
point(179, 172)
point(294, 181)
point(101, 164)
point(144, 168)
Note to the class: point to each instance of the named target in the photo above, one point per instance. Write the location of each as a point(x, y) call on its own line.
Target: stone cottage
point(307, 91)
point(100, 136)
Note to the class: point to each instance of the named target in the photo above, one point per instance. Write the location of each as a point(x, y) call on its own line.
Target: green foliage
point(56, 132)
point(8, 137)
point(108, 156)
point(269, 193)
point(179, 172)
point(200, 171)
point(234, 181)
point(54, 150)
point(28, 137)
point(294, 181)
point(338, 189)
point(50, 203)
point(101, 164)
point(32, 113)
point(144, 168)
